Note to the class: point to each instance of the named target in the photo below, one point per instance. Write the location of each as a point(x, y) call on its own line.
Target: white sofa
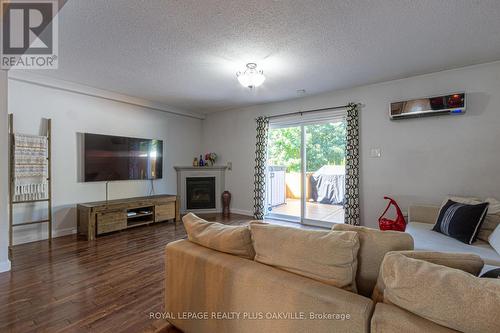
point(421, 221)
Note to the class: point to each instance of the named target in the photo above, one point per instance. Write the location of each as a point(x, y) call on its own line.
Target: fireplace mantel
point(184, 172)
point(215, 167)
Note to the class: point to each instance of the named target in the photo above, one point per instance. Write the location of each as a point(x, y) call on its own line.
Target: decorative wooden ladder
point(12, 179)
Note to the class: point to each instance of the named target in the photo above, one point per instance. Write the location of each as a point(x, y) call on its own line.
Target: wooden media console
point(101, 217)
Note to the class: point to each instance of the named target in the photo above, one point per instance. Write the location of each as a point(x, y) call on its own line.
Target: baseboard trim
point(209, 211)
point(242, 212)
point(4, 266)
point(200, 211)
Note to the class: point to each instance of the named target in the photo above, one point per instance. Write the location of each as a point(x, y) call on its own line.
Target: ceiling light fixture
point(251, 77)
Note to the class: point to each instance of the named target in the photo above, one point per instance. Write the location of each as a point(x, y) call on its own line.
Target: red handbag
point(399, 224)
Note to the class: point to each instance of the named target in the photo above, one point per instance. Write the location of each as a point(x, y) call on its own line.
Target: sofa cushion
point(224, 238)
point(428, 240)
point(423, 214)
point(389, 318)
point(326, 256)
point(491, 221)
point(494, 239)
point(446, 296)
point(466, 262)
point(464, 200)
point(461, 221)
point(494, 205)
point(373, 245)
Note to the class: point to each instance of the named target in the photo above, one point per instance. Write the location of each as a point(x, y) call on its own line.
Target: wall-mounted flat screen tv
point(110, 158)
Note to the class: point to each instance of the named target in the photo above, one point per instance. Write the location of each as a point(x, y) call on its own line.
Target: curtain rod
point(308, 111)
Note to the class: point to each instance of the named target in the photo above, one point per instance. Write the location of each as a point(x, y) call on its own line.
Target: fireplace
point(200, 193)
point(200, 187)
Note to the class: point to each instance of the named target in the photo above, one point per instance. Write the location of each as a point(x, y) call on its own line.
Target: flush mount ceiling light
point(251, 77)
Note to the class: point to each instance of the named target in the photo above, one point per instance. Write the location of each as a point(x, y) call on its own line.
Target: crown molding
point(77, 88)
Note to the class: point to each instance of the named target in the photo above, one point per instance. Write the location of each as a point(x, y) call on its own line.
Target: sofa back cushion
point(467, 262)
point(423, 214)
point(326, 256)
point(373, 245)
point(224, 238)
point(491, 221)
point(463, 200)
point(446, 296)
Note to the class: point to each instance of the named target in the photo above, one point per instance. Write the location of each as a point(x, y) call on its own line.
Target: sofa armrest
point(425, 214)
point(388, 318)
point(201, 280)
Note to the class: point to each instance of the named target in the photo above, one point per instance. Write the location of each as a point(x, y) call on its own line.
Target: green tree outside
point(325, 145)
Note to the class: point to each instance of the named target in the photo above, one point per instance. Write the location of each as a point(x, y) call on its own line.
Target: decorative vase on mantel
point(210, 159)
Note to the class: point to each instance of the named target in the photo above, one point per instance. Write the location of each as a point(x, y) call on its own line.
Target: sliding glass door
point(306, 171)
point(324, 156)
point(284, 177)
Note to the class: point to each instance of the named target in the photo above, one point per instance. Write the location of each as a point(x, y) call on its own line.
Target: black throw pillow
point(461, 221)
point(492, 274)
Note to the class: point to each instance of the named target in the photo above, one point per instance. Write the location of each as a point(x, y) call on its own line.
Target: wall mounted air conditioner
point(430, 106)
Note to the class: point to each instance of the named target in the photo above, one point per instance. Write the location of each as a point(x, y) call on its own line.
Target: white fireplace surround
point(184, 172)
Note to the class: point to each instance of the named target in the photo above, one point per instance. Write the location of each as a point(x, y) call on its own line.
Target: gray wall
point(422, 160)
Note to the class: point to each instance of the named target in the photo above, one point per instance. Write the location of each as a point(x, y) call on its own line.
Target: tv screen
point(121, 158)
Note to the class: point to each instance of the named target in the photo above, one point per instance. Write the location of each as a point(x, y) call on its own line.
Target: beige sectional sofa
point(207, 290)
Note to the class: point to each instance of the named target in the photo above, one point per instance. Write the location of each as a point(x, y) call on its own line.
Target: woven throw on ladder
point(30, 167)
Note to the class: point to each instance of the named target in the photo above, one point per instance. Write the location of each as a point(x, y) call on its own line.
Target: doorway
point(306, 171)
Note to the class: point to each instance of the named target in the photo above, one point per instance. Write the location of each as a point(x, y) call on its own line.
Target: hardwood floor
point(109, 285)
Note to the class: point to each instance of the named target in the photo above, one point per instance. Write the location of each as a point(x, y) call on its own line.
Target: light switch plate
point(375, 152)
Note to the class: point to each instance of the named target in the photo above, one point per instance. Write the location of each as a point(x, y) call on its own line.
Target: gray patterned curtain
point(351, 205)
point(260, 168)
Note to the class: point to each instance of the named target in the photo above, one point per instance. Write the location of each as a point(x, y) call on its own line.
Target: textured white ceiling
point(185, 53)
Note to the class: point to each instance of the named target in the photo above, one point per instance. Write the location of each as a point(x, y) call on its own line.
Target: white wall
point(422, 159)
point(72, 113)
point(4, 224)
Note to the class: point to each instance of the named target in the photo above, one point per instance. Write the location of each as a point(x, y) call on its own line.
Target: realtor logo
point(29, 34)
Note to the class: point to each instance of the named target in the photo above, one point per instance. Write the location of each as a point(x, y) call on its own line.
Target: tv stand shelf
point(102, 217)
point(131, 217)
